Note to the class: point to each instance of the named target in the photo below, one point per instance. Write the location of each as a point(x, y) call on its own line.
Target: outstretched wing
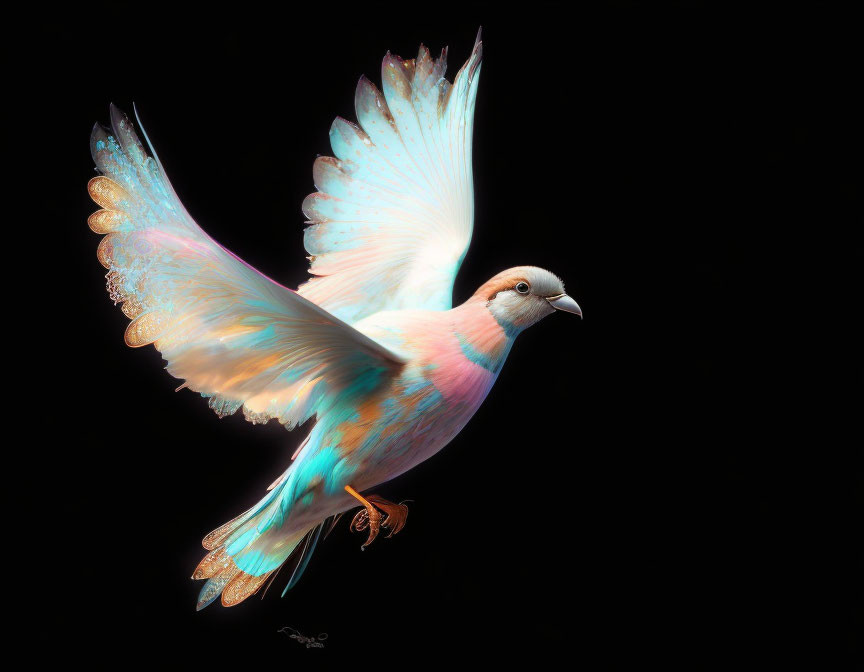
point(393, 215)
point(230, 332)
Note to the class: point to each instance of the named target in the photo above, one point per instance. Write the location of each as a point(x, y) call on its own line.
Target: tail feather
point(305, 553)
point(217, 537)
point(239, 541)
point(215, 585)
point(242, 586)
point(215, 562)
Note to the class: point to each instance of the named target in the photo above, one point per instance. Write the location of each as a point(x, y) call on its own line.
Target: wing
point(393, 215)
point(230, 332)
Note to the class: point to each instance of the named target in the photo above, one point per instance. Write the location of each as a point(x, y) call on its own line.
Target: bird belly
point(422, 413)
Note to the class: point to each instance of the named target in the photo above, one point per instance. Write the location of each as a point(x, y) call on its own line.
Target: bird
point(370, 347)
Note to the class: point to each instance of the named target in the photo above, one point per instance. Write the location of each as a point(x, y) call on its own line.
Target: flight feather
point(231, 333)
point(392, 218)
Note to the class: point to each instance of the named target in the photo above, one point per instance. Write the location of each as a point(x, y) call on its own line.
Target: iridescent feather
point(230, 332)
point(393, 215)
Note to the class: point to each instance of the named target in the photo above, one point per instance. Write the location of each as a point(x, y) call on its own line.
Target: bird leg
point(371, 517)
point(367, 517)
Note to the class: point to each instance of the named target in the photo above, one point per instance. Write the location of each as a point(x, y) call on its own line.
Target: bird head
point(524, 295)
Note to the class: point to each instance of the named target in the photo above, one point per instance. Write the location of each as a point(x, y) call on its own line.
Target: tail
point(249, 550)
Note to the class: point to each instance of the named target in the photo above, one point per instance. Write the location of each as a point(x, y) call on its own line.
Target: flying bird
point(370, 346)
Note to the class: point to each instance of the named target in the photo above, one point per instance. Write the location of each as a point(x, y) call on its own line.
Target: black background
point(670, 481)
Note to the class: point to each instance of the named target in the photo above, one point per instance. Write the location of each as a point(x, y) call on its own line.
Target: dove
point(370, 347)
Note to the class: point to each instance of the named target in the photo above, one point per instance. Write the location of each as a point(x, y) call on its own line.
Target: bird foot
point(370, 516)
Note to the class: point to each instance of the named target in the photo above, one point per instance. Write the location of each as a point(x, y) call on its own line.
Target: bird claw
point(397, 514)
point(370, 517)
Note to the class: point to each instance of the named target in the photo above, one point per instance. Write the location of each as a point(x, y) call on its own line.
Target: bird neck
point(482, 339)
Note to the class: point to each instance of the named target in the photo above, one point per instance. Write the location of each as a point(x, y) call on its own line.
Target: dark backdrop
point(652, 485)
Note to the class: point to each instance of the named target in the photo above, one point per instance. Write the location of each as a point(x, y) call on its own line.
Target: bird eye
point(522, 287)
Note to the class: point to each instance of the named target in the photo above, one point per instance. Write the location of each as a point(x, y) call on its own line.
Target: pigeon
point(370, 347)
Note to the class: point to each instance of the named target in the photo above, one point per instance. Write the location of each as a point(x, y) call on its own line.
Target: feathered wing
point(228, 331)
point(393, 215)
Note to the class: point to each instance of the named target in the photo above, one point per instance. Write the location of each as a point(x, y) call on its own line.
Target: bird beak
point(565, 303)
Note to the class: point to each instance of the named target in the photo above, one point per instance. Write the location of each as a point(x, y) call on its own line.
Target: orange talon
point(370, 517)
